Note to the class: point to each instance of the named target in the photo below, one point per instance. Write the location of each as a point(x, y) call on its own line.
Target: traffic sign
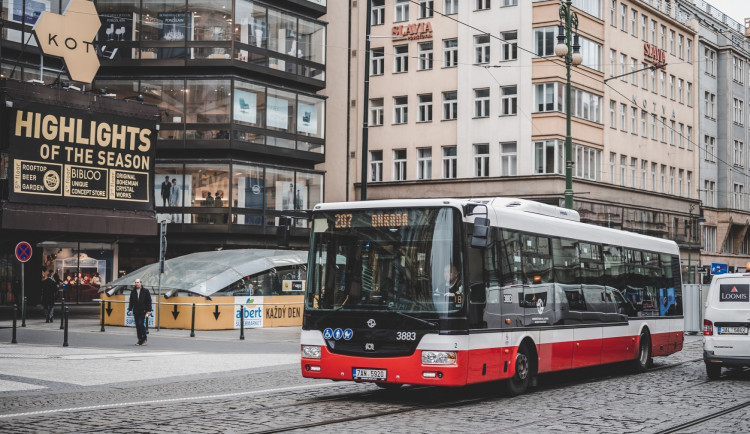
point(719, 268)
point(23, 251)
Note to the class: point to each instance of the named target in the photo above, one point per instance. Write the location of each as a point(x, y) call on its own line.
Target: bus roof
point(527, 216)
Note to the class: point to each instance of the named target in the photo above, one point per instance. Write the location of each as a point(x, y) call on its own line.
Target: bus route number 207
point(406, 336)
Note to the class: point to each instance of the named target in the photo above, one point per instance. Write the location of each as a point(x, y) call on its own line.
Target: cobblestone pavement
point(269, 398)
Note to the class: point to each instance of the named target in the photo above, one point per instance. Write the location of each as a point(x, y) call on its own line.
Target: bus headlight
point(439, 357)
point(311, 351)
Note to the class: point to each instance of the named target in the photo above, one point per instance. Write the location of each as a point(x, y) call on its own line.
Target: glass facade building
point(241, 124)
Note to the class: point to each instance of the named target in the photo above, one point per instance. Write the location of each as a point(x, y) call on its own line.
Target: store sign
point(655, 55)
point(412, 31)
point(64, 156)
point(71, 36)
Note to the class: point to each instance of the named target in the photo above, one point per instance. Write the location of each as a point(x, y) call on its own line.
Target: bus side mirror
point(480, 233)
point(283, 232)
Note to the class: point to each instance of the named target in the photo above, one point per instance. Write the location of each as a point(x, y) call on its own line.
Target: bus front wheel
point(519, 382)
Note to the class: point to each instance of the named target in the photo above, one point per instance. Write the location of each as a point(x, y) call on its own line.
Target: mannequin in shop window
point(208, 202)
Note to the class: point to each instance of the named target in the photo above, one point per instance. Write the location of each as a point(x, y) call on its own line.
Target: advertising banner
point(130, 320)
point(64, 156)
point(116, 27)
point(277, 114)
point(253, 311)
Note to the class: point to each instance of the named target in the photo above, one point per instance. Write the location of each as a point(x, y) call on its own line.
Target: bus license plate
point(732, 330)
point(369, 374)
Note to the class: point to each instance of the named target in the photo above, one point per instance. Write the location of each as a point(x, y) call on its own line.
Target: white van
point(727, 320)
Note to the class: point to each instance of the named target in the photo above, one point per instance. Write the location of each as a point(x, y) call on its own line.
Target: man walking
point(49, 291)
point(140, 307)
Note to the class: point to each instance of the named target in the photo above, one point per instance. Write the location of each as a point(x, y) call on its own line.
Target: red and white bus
point(452, 292)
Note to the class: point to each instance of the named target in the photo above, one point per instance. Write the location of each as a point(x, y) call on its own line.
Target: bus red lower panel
point(408, 370)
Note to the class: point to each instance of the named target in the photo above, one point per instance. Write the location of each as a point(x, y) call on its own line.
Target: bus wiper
point(429, 323)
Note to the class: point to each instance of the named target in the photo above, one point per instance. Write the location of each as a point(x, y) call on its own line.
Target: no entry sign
point(23, 251)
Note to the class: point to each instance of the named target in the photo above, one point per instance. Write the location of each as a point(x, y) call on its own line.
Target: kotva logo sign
point(71, 36)
point(739, 292)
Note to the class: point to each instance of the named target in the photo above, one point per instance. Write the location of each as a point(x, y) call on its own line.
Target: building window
point(376, 61)
point(644, 76)
point(401, 12)
point(680, 132)
point(634, 120)
point(587, 162)
point(482, 49)
point(663, 83)
point(451, 7)
point(680, 85)
point(613, 13)
point(592, 54)
point(709, 144)
point(623, 114)
point(400, 109)
point(450, 162)
point(738, 151)
point(544, 41)
point(634, 22)
point(481, 103)
point(709, 100)
point(376, 166)
point(508, 100)
point(633, 75)
point(653, 32)
point(644, 173)
point(425, 55)
point(508, 159)
point(644, 129)
point(376, 112)
point(690, 51)
point(644, 28)
point(482, 160)
point(546, 97)
point(510, 3)
point(378, 12)
point(663, 180)
point(612, 157)
point(663, 37)
point(671, 41)
point(612, 57)
point(671, 87)
point(481, 5)
point(424, 163)
point(653, 81)
point(426, 8)
point(680, 180)
point(671, 132)
point(653, 127)
point(548, 157)
point(653, 176)
point(737, 67)
point(671, 180)
point(680, 45)
point(709, 238)
point(710, 58)
point(737, 117)
point(689, 138)
point(450, 53)
point(450, 105)
point(424, 110)
point(710, 193)
point(612, 114)
point(623, 67)
point(689, 94)
point(689, 183)
point(510, 45)
point(623, 167)
point(663, 129)
point(399, 164)
point(401, 58)
point(623, 17)
point(633, 165)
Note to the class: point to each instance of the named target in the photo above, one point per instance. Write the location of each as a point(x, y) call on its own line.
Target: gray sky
point(736, 9)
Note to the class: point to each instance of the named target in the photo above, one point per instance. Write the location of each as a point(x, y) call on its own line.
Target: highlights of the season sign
point(81, 158)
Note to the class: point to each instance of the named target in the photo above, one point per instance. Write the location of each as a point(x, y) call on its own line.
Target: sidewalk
point(39, 360)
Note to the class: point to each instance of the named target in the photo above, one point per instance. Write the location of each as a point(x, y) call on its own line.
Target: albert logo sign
point(71, 36)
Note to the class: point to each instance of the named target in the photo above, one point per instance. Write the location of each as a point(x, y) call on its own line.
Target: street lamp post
point(568, 47)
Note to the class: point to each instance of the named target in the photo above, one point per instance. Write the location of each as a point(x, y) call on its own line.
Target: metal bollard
point(102, 310)
point(15, 317)
point(242, 322)
point(192, 323)
point(23, 312)
point(65, 334)
point(62, 309)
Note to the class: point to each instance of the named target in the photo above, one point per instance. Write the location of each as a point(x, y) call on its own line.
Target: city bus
point(453, 292)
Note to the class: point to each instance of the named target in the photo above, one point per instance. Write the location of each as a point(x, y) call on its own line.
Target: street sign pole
point(162, 251)
point(23, 299)
point(23, 254)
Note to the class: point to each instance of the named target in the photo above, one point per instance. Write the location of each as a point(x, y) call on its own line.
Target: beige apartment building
point(466, 99)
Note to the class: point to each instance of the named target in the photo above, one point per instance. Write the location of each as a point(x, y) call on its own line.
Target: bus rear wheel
point(643, 361)
point(519, 382)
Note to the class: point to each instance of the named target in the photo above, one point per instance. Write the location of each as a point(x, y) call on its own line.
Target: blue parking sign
point(719, 268)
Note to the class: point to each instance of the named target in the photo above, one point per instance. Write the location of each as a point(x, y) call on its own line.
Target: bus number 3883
point(406, 336)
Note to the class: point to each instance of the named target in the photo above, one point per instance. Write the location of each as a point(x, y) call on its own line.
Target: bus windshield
point(404, 260)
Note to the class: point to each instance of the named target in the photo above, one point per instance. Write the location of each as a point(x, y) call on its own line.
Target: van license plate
point(369, 374)
point(732, 330)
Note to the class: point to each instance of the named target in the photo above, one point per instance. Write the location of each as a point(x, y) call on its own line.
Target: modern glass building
point(242, 125)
